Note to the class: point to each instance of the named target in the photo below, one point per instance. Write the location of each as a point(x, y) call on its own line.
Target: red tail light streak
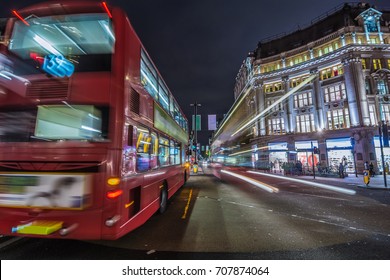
point(106, 9)
point(20, 17)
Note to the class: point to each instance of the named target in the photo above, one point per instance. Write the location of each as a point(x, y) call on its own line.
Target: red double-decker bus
point(92, 142)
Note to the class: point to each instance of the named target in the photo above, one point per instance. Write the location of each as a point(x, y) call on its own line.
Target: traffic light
point(316, 150)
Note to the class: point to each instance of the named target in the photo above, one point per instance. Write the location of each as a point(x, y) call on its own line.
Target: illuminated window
point(272, 87)
point(374, 40)
point(163, 96)
point(174, 152)
point(276, 126)
point(364, 64)
point(277, 108)
point(331, 72)
point(296, 81)
point(305, 123)
point(149, 76)
point(376, 64)
point(303, 99)
point(388, 63)
point(335, 93)
point(382, 87)
point(373, 118)
point(154, 151)
point(338, 119)
point(385, 112)
point(143, 148)
point(163, 151)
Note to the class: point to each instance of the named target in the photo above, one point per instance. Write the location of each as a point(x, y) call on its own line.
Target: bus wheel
point(163, 199)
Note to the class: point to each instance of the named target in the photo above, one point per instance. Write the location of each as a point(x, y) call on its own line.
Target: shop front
point(277, 155)
point(339, 150)
point(378, 153)
point(306, 155)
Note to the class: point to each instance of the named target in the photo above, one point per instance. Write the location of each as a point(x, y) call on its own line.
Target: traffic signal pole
point(312, 160)
point(196, 104)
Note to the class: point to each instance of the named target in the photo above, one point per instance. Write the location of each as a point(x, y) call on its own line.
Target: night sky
point(198, 46)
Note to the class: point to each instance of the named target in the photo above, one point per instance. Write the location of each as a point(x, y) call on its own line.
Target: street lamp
point(195, 105)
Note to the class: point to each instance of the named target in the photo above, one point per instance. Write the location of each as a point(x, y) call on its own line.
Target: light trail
point(259, 184)
point(314, 184)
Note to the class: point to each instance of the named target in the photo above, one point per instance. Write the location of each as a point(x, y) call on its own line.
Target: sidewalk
point(376, 183)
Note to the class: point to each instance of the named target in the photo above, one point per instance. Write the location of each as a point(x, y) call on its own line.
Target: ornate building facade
point(325, 86)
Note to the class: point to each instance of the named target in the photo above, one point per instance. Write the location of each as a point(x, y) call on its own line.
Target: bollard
point(195, 167)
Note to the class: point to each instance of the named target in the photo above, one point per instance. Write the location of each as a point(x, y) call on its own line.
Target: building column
point(318, 102)
point(356, 92)
point(258, 86)
point(289, 123)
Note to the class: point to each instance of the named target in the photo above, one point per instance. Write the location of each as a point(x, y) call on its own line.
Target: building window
point(368, 87)
point(338, 119)
point(371, 24)
point(373, 119)
point(272, 87)
point(277, 108)
point(335, 93)
point(305, 123)
point(382, 87)
point(303, 99)
point(374, 40)
point(331, 72)
point(385, 112)
point(377, 64)
point(364, 64)
point(296, 81)
point(276, 126)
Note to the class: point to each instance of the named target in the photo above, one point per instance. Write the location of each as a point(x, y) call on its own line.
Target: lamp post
point(381, 130)
point(352, 139)
point(195, 105)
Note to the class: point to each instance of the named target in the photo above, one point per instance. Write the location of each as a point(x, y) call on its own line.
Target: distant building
point(325, 85)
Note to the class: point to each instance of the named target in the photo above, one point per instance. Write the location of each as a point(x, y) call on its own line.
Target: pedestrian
point(372, 172)
point(366, 167)
point(341, 170)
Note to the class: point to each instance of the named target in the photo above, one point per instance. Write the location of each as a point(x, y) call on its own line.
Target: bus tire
point(163, 199)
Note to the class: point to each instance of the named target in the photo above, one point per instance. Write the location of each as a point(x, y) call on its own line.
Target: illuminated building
point(325, 85)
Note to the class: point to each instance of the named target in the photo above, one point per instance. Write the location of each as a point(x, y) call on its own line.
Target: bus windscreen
point(60, 45)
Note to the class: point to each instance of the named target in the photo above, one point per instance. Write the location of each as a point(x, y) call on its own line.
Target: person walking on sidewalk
point(341, 170)
point(372, 172)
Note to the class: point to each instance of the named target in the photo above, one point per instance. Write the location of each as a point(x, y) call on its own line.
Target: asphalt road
point(211, 218)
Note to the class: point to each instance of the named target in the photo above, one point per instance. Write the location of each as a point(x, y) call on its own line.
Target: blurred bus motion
point(92, 142)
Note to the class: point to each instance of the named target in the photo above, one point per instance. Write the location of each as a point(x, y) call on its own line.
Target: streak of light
point(187, 205)
point(269, 108)
point(314, 184)
point(259, 184)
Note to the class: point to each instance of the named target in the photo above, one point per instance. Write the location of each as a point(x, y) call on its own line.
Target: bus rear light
point(112, 221)
point(114, 194)
point(106, 9)
point(20, 17)
point(114, 181)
